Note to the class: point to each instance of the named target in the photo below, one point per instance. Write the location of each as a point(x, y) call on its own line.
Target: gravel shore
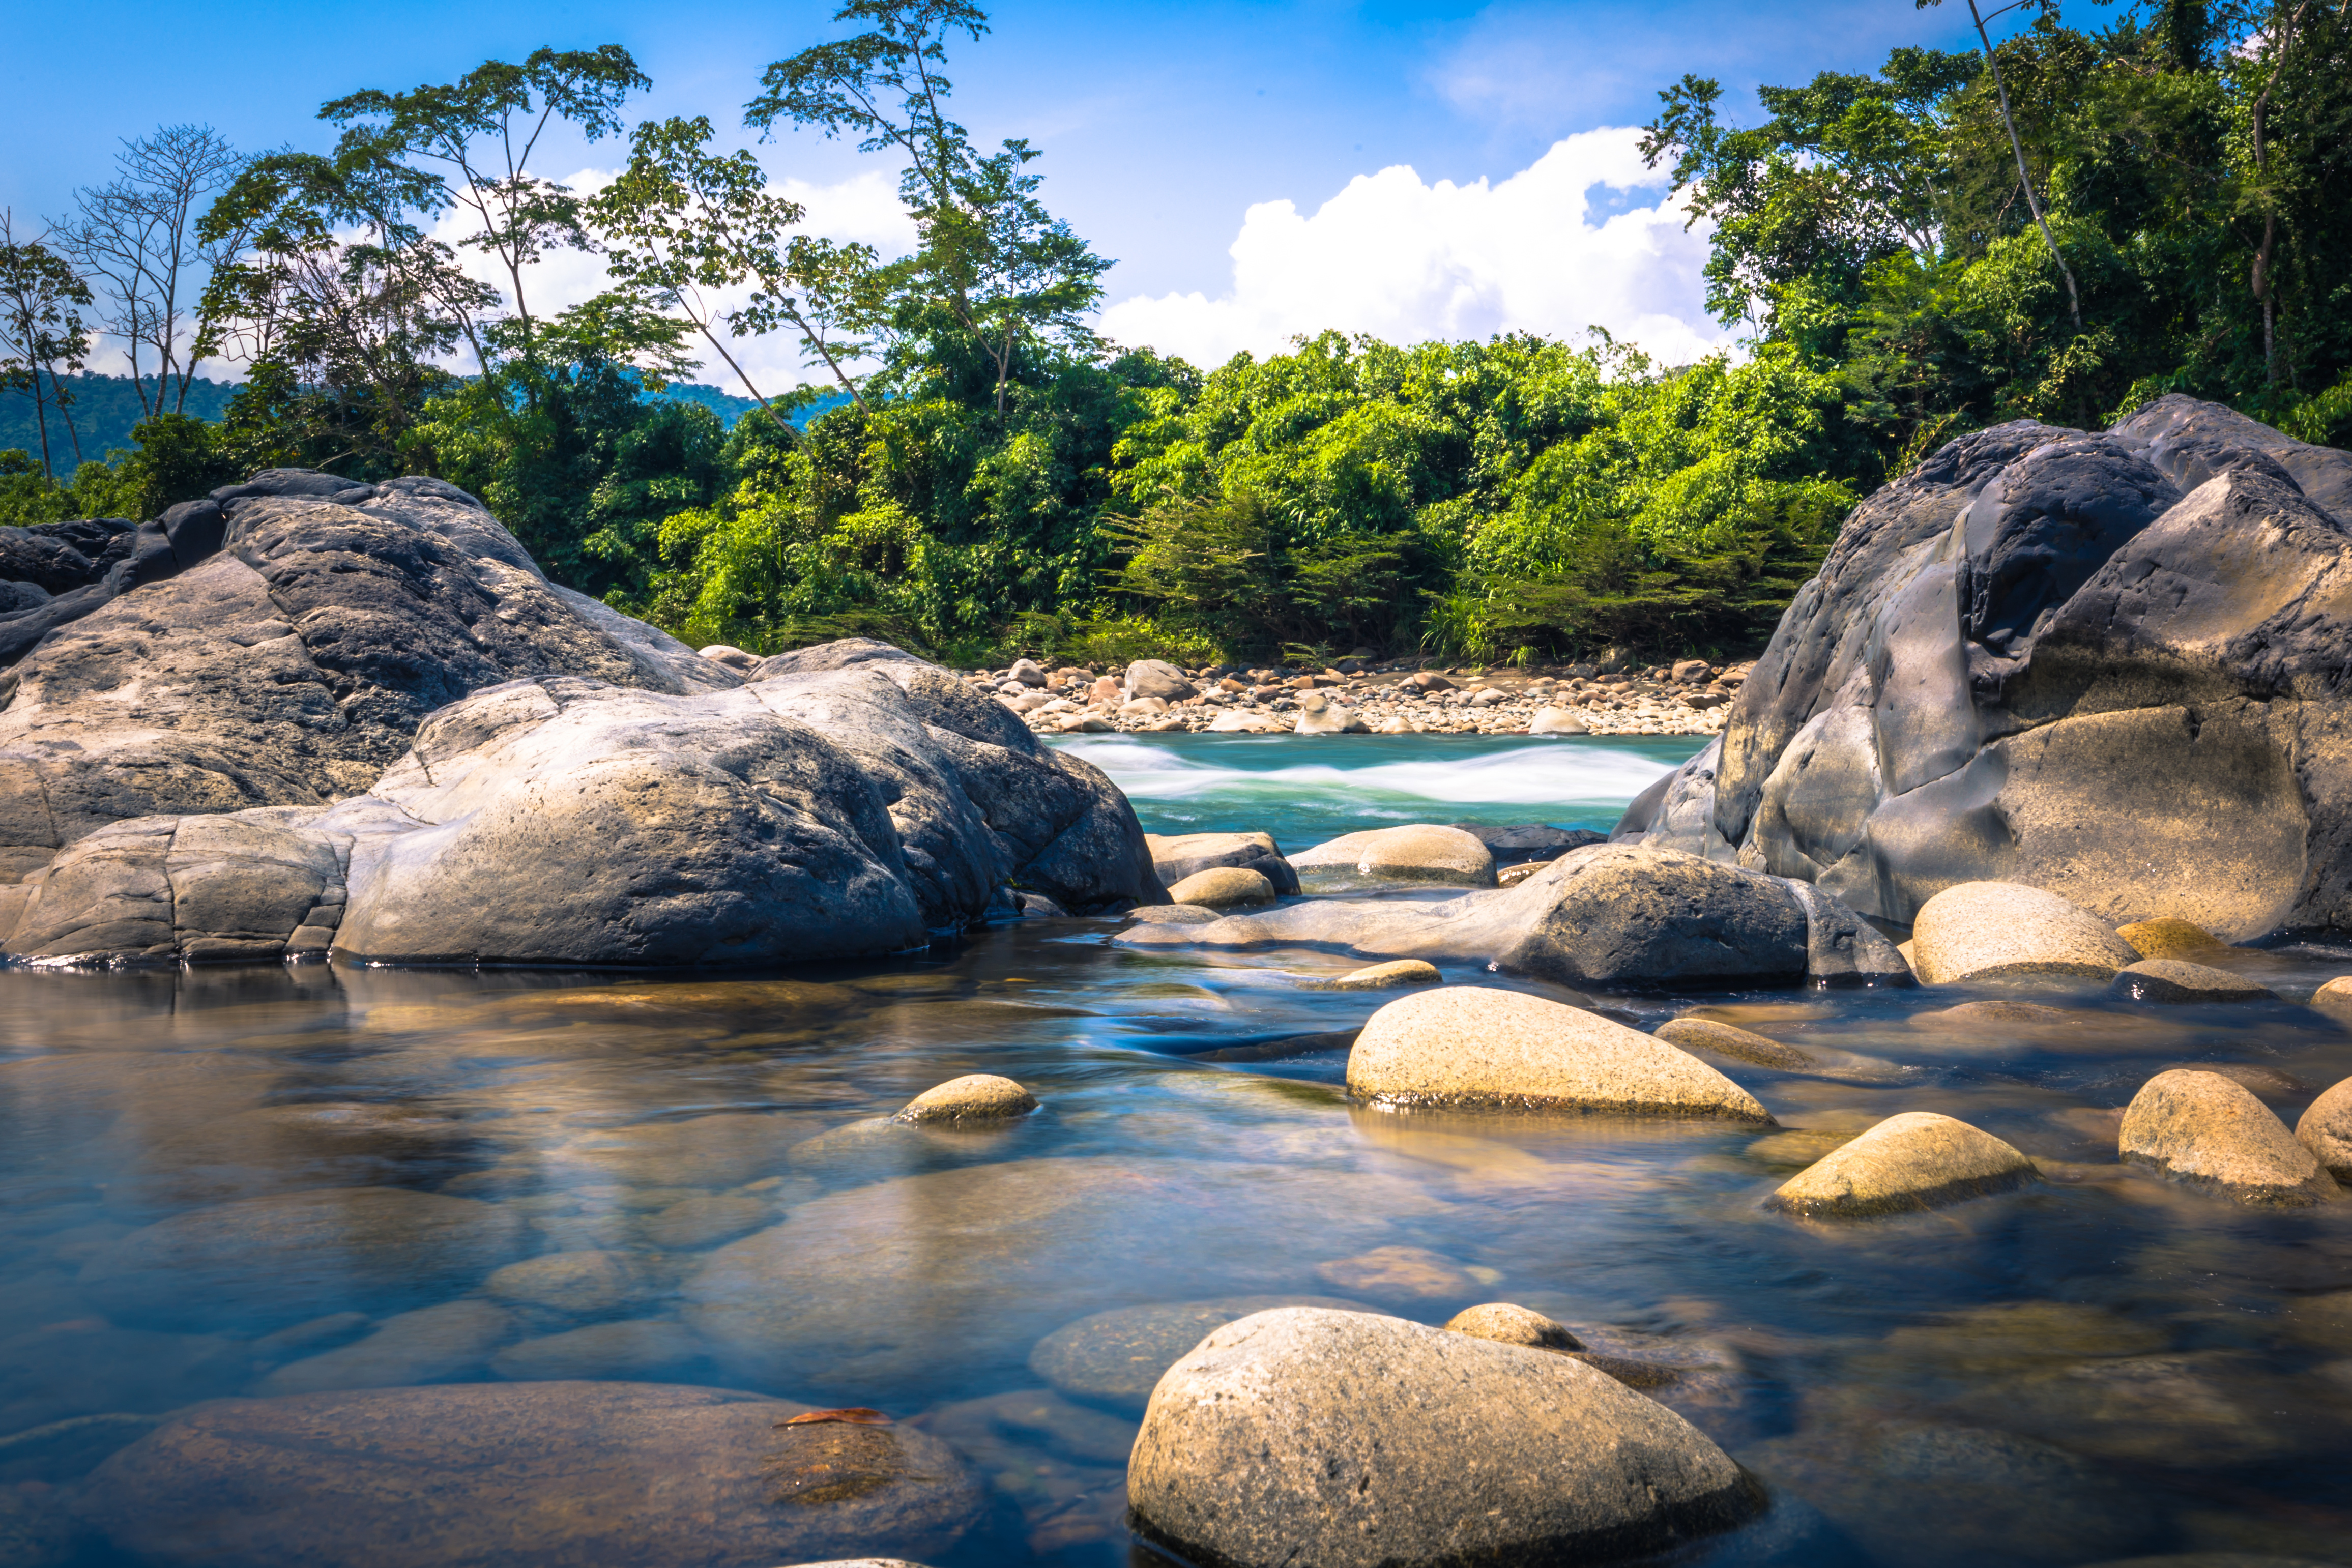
point(1691, 698)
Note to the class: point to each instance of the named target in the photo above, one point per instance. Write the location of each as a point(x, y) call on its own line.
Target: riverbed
point(2100, 1366)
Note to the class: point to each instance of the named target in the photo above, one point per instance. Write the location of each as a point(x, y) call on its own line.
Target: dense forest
point(2059, 225)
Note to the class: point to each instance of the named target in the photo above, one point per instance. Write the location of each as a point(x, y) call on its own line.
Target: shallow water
point(2101, 1367)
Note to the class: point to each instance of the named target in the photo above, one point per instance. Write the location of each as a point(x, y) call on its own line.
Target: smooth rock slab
point(1121, 1355)
point(524, 1474)
point(1986, 930)
point(2203, 1130)
point(1224, 888)
point(1729, 1040)
point(2327, 1131)
point(2176, 980)
point(1916, 1161)
point(1422, 854)
point(1347, 1440)
point(975, 1096)
point(1384, 977)
point(429, 1345)
point(1474, 1046)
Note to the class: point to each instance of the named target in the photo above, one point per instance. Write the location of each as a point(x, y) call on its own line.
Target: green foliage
point(2188, 156)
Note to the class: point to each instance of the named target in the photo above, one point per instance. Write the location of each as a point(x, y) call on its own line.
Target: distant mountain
point(104, 409)
point(729, 407)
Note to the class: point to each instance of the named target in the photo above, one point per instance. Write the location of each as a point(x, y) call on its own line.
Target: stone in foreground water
point(2203, 1130)
point(1919, 1160)
point(1349, 1441)
point(526, 1475)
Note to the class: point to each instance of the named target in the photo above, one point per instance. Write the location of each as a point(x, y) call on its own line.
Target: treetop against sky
point(1256, 170)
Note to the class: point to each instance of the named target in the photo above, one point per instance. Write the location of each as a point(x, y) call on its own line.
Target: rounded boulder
point(1986, 930)
point(1157, 678)
point(1121, 1355)
point(2203, 1130)
point(2164, 937)
point(2327, 1131)
point(1474, 1046)
point(1423, 853)
point(1506, 1323)
point(1916, 1161)
point(1224, 888)
point(1348, 1440)
point(975, 1096)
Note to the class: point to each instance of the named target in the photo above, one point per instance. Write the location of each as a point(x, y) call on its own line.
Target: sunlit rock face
point(308, 715)
point(2105, 665)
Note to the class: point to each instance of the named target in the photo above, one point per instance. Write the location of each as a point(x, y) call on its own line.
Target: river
point(2099, 1367)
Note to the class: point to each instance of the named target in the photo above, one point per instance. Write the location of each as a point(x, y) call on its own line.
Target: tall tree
point(1007, 274)
point(138, 236)
point(683, 224)
point(40, 324)
point(479, 134)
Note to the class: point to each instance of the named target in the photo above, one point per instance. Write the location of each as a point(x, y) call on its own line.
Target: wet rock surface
point(1346, 1438)
point(1917, 1159)
point(1474, 1046)
point(1992, 930)
point(530, 1473)
point(2206, 1131)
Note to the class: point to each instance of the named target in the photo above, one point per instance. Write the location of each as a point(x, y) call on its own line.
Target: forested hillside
point(2138, 199)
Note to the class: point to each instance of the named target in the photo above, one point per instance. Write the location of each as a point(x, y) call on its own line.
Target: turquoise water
point(2099, 1367)
point(1306, 791)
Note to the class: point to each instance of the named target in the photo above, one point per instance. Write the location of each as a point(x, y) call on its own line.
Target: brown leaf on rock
point(855, 1415)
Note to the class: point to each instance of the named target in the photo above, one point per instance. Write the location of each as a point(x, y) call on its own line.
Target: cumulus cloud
point(1406, 260)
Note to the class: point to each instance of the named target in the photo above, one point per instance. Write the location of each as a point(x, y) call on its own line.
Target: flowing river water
point(2098, 1368)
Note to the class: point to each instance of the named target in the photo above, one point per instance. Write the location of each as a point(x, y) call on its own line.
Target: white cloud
point(1408, 261)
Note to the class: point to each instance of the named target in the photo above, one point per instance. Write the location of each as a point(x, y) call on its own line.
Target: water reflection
point(306, 1183)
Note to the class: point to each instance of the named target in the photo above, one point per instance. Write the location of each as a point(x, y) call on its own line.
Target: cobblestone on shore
point(1690, 697)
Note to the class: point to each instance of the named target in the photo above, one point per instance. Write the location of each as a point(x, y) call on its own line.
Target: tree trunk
point(2033, 202)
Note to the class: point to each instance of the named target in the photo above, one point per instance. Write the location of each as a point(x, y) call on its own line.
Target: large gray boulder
point(368, 724)
point(2101, 665)
point(1606, 915)
point(1350, 1440)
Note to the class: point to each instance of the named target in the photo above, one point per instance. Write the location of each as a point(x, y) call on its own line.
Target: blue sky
point(1164, 127)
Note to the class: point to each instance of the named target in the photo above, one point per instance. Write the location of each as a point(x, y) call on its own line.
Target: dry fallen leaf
point(855, 1416)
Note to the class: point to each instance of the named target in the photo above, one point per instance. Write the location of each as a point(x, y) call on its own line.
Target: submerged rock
point(529, 1474)
point(1399, 1273)
point(1119, 1356)
point(1916, 1161)
point(1351, 1441)
point(1729, 1040)
point(1421, 855)
point(1385, 977)
point(1990, 930)
point(430, 1345)
point(2175, 980)
point(975, 1096)
point(2203, 1130)
point(1608, 914)
point(285, 1259)
point(1474, 1045)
